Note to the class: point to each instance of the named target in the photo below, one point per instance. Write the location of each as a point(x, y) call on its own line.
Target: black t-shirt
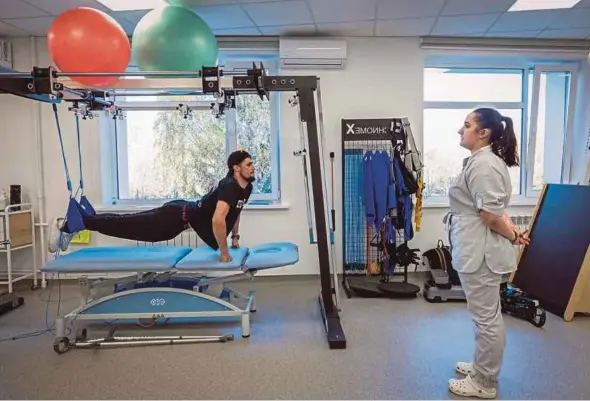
point(200, 214)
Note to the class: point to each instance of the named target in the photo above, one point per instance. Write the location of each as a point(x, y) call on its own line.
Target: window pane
point(253, 130)
point(472, 85)
point(549, 149)
point(169, 157)
point(443, 156)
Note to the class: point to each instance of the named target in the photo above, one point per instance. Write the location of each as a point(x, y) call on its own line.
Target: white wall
point(382, 78)
point(17, 146)
point(581, 126)
point(17, 149)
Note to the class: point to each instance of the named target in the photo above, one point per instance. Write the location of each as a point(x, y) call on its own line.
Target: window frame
point(114, 142)
point(569, 128)
point(526, 196)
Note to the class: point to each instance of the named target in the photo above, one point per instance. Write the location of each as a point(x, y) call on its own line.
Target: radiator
point(186, 238)
point(521, 221)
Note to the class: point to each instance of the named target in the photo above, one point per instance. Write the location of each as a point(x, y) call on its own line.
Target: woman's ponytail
point(505, 146)
point(502, 137)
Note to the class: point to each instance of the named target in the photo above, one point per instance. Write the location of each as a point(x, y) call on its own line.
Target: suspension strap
point(63, 153)
point(79, 153)
point(117, 155)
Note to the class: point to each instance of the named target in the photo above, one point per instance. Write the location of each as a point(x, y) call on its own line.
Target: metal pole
point(325, 190)
point(303, 153)
point(34, 247)
point(40, 176)
point(118, 343)
point(8, 247)
point(178, 74)
point(336, 336)
point(228, 337)
point(147, 74)
point(84, 97)
point(153, 84)
point(159, 93)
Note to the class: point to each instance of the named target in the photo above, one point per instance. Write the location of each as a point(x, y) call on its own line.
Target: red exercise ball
point(88, 40)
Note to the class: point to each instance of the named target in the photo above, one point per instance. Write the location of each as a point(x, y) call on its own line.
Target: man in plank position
point(212, 217)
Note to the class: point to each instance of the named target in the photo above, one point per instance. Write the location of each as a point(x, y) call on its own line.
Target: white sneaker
point(53, 242)
point(468, 388)
point(465, 368)
point(58, 240)
point(66, 238)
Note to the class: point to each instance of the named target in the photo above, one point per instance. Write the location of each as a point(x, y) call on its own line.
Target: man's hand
point(225, 257)
point(219, 230)
point(235, 243)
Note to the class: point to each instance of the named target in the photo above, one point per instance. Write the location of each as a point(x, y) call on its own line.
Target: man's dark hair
point(236, 158)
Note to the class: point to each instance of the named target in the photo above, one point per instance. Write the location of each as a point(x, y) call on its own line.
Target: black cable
point(48, 328)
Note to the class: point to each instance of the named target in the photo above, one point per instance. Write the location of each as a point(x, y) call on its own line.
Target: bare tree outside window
point(170, 157)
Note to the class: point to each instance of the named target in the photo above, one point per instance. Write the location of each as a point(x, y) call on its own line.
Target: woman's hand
point(521, 239)
point(503, 226)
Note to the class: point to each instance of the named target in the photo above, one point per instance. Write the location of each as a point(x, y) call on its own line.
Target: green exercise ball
point(173, 39)
point(185, 3)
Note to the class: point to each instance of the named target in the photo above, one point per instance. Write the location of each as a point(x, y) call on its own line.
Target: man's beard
point(250, 179)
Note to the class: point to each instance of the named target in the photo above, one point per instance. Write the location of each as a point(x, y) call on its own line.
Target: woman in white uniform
point(482, 236)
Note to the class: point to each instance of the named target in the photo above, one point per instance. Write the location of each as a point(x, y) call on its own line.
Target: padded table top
point(118, 259)
point(125, 259)
point(266, 256)
point(206, 258)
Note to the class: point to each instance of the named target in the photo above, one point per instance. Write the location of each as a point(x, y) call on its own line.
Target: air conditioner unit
point(5, 54)
point(312, 53)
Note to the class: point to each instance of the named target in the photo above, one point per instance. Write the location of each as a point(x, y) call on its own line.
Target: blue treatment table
point(172, 283)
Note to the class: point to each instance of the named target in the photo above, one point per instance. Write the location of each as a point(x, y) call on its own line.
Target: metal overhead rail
point(49, 85)
point(48, 81)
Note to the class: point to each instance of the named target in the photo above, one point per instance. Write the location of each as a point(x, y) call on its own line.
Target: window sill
point(522, 201)
point(435, 205)
point(517, 201)
point(268, 206)
point(141, 208)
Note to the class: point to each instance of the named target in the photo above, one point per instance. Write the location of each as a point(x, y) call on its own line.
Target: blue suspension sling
point(84, 202)
point(74, 218)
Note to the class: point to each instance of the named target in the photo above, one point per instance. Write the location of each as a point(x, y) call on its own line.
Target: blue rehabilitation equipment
point(74, 218)
point(403, 197)
point(169, 283)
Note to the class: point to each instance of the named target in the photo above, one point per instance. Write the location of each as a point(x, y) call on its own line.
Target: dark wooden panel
point(560, 236)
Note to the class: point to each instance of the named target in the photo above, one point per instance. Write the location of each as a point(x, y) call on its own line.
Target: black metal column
point(336, 337)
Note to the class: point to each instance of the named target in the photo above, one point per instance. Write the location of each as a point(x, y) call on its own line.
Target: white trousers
point(482, 290)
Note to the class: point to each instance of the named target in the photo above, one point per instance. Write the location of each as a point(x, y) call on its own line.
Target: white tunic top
point(483, 184)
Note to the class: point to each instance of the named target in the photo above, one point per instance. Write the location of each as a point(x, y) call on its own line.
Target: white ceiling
point(470, 18)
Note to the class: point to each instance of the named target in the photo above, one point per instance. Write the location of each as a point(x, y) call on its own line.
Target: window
point(549, 131)
point(523, 94)
point(442, 154)
point(158, 153)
